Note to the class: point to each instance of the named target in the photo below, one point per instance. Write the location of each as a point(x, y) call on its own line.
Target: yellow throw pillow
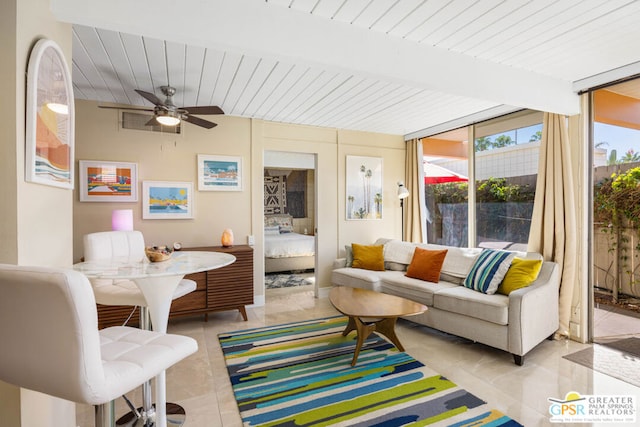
point(426, 264)
point(368, 257)
point(521, 274)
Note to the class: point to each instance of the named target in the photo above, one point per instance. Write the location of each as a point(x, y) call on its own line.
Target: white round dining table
point(157, 281)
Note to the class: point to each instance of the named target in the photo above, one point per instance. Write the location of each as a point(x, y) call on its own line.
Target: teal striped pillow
point(488, 270)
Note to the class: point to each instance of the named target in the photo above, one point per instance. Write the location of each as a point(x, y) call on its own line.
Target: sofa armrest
point(533, 311)
point(339, 263)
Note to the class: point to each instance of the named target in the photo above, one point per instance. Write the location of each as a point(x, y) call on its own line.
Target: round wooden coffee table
point(362, 303)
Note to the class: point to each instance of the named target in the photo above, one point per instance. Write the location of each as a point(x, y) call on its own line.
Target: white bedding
point(287, 245)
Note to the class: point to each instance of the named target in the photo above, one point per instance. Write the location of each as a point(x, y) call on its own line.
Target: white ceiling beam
point(257, 28)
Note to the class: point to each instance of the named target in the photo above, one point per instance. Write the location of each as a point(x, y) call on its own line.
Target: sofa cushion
point(356, 278)
point(395, 266)
point(458, 261)
point(426, 264)
point(458, 299)
point(451, 279)
point(368, 257)
point(396, 283)
point(488, 271)
point(398, 251)
point(521, 274)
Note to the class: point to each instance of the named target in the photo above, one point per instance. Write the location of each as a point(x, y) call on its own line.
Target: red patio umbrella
point(434, 174)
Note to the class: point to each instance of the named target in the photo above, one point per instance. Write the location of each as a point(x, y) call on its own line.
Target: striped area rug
point(300, 374)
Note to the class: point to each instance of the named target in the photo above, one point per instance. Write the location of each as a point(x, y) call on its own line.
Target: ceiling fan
point(168, 114)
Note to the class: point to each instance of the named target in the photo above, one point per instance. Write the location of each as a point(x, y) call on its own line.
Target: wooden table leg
point(351, 326)
point(387, 327)
point(364, 331)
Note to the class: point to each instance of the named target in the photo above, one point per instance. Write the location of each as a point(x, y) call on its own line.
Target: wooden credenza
point(226, 288)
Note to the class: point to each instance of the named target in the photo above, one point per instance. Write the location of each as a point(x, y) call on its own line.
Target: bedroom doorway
point(289, 222)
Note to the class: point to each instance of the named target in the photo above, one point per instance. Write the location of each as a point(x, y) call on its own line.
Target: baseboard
point(258, 301)
point(324, 292)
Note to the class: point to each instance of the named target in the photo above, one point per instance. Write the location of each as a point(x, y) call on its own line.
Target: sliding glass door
point(616, 211)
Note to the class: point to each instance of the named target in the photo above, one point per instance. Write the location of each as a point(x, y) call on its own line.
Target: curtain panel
point(414, 218)
point(553, 223)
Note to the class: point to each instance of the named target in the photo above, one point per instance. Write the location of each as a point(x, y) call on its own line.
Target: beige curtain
point(414, 205)
point(553, 224)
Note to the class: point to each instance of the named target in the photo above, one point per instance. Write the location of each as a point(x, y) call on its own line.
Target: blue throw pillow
point(488, 270)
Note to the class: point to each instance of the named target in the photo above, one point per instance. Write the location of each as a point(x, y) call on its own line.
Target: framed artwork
point(50, 118)
point(364, 187)
point(108, 181)
point(219, 173)
point(167, 200)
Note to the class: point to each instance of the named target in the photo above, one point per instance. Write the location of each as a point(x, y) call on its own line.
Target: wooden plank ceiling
point(375, 65)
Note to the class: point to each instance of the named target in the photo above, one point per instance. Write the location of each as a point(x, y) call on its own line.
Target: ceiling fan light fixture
point(168, 119)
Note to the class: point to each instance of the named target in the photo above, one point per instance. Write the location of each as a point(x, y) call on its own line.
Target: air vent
point(138, 121)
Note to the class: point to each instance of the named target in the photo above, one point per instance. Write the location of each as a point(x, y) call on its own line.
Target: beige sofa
point(514, 323)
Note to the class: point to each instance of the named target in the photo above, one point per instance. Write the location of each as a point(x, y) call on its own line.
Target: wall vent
point(138, 121)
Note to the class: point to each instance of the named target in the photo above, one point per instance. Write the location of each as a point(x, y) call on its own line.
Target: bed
point(285, 250)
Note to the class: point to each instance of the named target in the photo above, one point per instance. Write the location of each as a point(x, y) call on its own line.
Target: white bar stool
point(51, 342)
point(129, 245)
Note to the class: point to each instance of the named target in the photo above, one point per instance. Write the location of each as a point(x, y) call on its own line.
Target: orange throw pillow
point(368, 257)
point(426, 264)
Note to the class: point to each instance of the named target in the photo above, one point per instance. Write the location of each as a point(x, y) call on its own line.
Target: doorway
point(290, 222)
point(616, 212)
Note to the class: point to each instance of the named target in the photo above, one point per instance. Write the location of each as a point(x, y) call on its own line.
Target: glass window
point(446, 167)
point(506, 152)
point(506, 169)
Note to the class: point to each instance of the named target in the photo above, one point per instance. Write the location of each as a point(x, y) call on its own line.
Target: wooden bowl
point(158, 253)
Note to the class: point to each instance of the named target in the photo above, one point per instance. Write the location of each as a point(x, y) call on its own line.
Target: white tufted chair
point(127, 245)
point(51, 343)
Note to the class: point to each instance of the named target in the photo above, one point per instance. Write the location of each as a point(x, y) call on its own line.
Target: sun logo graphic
point(572, 405)
point(576, 408)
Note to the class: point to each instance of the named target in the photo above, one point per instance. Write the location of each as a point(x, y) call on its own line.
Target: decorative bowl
point(158, 253)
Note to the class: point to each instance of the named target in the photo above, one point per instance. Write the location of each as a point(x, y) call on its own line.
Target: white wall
point(36, 220)
point(173, 158)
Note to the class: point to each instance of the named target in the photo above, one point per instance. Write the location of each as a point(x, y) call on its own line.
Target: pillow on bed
point(286, 229)
point(278, 219)
point(271, 230)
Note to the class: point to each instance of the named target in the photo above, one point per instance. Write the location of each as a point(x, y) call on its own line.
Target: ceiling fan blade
point(199, 122)
point(149, 97)
point(152, 122)
point(211, 109)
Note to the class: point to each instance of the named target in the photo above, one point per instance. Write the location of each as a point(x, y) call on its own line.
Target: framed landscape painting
point(219, 173)
point(108, 181)
point(49, 118)
point(364, 187)
point(167, 200)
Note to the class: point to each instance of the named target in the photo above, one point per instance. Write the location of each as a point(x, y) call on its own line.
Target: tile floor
point(200, 383)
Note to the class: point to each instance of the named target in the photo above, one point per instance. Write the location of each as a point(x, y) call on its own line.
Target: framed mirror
point(50, 128)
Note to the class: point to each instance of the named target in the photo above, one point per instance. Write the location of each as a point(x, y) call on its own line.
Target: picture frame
point(106, 181)
point(167, 200)
point(363, 188)
point(219, 173)
point(50, 115)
